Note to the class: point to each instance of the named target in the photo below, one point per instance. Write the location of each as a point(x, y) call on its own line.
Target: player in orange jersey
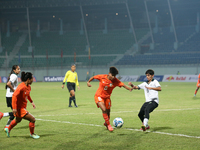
point(19, 103)
point(107, 82)
point(198, 85)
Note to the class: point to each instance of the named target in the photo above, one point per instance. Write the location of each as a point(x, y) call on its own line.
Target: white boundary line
point(164, 133)
point(115, 112)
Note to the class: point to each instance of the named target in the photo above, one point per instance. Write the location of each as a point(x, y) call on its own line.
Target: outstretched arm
point(133, 86)
point(128, 88)
point(88, 83)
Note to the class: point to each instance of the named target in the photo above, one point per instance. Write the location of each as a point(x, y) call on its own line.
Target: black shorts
point(9, 101)
point(71, 86)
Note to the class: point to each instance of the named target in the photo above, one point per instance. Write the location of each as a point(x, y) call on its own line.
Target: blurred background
point(47, 36)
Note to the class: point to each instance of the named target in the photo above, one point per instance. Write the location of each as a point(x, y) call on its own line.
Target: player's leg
point(72, 93)
point(73, 97)
point(196, 90)
point(70, 100)
point(9, 104)
point(12, 125)
point(31, 118)
point(150, 107)
point(106, 112)
point(105, 115)
point(141, 112)
point(5, 114)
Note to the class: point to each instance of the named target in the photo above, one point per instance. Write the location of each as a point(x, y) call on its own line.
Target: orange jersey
point(106, 86)
point(198, 82)
point(198, 79)
point(19, 99)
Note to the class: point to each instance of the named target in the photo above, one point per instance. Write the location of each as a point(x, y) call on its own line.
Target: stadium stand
point(159, 59)
point(8, 43)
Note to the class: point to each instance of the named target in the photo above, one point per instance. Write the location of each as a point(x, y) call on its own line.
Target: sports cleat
point(34, 136)
point(70, 106)
point(7, 132)
point(1, 115)
point(76, 105)
point(143, 128)
point(146, 128)
point(194, 94)
point(110, 128)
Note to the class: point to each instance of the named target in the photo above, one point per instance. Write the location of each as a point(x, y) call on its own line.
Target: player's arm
point(9, 84)
point(77, 83)
point(128, 88)
point(64, 80)
point(88, 83)
point(154, 88)
point(133, 86)
point(14, 100)
point(31, 101)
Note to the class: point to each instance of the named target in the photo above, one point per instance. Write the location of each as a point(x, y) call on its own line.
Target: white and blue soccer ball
point(118, 122)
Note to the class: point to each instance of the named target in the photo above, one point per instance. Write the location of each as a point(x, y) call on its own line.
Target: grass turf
point(174, 124)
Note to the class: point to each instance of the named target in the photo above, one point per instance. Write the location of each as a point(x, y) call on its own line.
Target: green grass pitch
point(174, 124)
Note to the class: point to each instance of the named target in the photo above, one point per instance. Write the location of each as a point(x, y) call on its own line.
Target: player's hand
point(62, 86)
point(130, 84)
point(14, 111)
point(78, 88)
point(88, 84)
point(33, 105)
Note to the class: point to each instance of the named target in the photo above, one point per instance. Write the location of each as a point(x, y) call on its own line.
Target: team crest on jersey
point(111, 84)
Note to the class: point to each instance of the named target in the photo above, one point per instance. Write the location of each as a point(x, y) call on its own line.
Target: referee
point(72, 80)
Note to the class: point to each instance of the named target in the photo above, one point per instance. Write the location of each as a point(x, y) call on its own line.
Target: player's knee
point(33, 120)
point(104, 111)
point(18, 121)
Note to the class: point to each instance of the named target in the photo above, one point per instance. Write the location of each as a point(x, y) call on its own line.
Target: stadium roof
point(10, 4)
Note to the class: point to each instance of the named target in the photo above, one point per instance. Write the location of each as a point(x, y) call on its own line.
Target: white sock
point(145, 121)
point(5, 114)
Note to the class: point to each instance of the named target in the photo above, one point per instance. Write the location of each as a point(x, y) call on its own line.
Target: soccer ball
point(118, 122)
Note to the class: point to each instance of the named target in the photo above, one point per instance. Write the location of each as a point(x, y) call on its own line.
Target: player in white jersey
point(151, 88)
point(11, 86)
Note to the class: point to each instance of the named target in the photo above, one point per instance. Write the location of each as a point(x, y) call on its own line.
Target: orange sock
point(105, 116)
point(12, 124)
point(31, 127)
point(195, 92)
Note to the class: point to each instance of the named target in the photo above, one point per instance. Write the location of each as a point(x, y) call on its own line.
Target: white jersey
point(150, 94)
point(14, 82)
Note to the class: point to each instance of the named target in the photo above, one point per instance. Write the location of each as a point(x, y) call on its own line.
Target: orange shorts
point(21, 113)
point(106, 101)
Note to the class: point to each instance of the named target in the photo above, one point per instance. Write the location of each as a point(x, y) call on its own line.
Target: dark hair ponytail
point(14, 67)
point(26, 76)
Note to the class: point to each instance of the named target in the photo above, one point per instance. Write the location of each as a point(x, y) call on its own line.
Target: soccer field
point(174, 124)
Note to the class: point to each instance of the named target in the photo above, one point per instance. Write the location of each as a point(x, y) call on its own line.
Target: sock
point(145, 122)
point(31, 127)
point(74, 100)
point(105, 116)
point(5, 114)
point(8, 123)
point(195, 92)
point(70, 101)
point(12, 124)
